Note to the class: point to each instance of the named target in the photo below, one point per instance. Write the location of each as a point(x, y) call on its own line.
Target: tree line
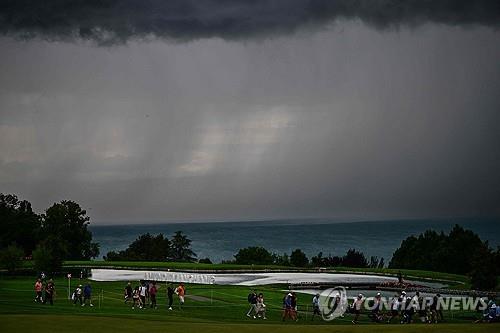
point(256, 255)
point(61, 233)
point(148, 247)
point(460, 251)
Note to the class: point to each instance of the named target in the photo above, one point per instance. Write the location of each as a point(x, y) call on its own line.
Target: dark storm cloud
point(114, 21)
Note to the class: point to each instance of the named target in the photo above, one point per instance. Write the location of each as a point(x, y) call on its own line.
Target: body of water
point(221, 240)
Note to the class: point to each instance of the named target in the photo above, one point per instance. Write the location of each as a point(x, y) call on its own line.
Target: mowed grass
point(51, 323)
point(207, 309)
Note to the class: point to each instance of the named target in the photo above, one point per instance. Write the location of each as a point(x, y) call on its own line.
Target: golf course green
point(208, 308)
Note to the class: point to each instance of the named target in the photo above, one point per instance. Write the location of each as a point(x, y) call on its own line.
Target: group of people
point(403, 308)
point(82, 295)
point(45, 291)
point(144, 294)
point(491, 314)
point(257, 306)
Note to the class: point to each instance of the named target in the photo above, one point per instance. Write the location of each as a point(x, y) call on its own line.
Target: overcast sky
point(346, 116)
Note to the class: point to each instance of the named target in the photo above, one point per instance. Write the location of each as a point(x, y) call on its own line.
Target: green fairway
point(71, 323)
point(207, 308)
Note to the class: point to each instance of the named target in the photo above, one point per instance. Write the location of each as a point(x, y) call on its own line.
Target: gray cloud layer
point(117, 21)
point(350, 122)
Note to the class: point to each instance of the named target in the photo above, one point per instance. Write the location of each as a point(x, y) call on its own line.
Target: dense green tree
point(254, 255)
point(330, 261)
point(49, 255)
point(452, 253)
point(145, 248)
point(11, 257)
point(298, 258)
point(354, 258)
point(67, 222)
point(20, 225)
point(484, 272)
point(181, 248)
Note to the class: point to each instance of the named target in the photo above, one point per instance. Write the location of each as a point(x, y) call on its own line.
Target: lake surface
point(221, 240)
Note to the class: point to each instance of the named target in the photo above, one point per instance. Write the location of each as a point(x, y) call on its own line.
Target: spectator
point(152, 294)
point(38, 291)
point(252, 300)
point(261, 307)
point(77, 295)
point(170, 296)
point(315, 306)
point(50, 292)
point(181, 291)
point(128, 292)
point(87, 294)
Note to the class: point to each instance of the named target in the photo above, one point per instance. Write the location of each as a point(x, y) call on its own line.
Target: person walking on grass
point(128, 293)
point(78, 295)
point(395, 302)
point(136, 298)
point(38, 291)
point(357, 305)
point(153, 290)
point(87, 295)
point(315, 306)
point(181, 291)
point(287, 307)
point(294, 310)
point(252, 300)
point(50, 292)
point(261, 307)
point(142, 294)
point(170, 296)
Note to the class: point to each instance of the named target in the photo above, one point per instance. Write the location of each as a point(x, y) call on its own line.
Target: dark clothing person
point(87, 295)
point(49, 293)
point(252, 300)
point(170, 296)
point(128, 293)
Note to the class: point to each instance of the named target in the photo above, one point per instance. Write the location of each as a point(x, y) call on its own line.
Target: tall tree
point(146, 247)
point(254, 255)
point(298, 258)
point(66, 222)
point(452, 253)
point(181, 248)
point(20, 225)
point(354, 258)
